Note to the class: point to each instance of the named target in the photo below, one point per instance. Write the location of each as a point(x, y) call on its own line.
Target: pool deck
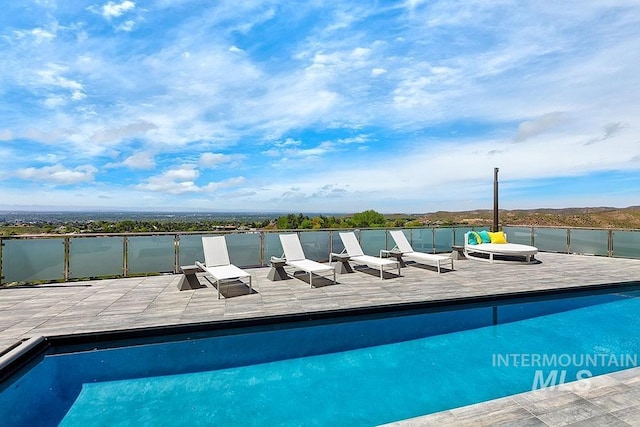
point(115, 304)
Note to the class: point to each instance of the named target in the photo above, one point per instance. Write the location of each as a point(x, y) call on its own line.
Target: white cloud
point(58, 174)
point(538, 126)
point(214, 160)
point(227, 183)
point(118, 133)
point(173, 181)
point(140, 160)
point(126, 26)
point(114, 10)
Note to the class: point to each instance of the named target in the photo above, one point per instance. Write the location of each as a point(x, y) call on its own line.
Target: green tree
point(368, 218)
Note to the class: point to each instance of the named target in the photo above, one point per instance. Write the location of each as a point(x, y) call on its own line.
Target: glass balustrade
point(41, 259)
point(96, 257)
point(519, 235)
point(32, 260)
point(150, 254)
point(591, 242)
point(626, 244)
point(550, 239)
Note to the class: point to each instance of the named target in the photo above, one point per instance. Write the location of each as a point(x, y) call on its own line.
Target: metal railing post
point(176, 254)
point(67, 259)
point(330, 242)
point(568, 240)
point(1, 273)
point(433, 240)
point(125, 256)
point(532, 237)
point(610, 243)
point(262, 239)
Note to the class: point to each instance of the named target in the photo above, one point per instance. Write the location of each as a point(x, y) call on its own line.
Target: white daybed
point(504, 249)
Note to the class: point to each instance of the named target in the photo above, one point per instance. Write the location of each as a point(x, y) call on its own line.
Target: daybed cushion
point(474, 238)
point(498, 237)
point(485, 236)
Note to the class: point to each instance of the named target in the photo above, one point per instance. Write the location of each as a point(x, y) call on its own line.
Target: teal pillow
point(474, 238)
point(484, 235)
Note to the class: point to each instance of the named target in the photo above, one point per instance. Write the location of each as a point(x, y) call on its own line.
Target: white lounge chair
point(217, 264)
point(403, 246)
point(354, 250)
point(294, 256)
point(504, 249)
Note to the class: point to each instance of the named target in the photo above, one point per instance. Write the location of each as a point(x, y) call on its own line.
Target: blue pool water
point(362, 372)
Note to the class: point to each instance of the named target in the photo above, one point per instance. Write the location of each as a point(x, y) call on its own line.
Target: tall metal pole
point(495, 199)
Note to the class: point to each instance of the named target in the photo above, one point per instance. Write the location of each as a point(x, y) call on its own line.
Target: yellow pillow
point(498, 237)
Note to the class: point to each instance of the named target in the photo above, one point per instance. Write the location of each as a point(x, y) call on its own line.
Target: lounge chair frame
point(404, 247)
point(354, 250)
point(294, 256)
point(217, 263)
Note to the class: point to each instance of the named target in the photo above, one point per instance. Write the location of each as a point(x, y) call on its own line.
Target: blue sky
point(319, 106)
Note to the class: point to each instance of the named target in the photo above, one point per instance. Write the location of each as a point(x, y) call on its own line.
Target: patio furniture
point(277, 272)
point(217, 264)
point(342, 265)
point(404, 247)
point(189, 280)
point(294, 256)
point(354, 250)
point(502, 249)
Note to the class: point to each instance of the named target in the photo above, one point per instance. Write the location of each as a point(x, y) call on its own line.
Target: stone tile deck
point(113, 304)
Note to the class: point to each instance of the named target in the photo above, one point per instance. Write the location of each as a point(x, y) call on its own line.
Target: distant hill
point(597, 217)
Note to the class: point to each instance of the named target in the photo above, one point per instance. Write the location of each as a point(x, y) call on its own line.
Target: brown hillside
point(602, 217)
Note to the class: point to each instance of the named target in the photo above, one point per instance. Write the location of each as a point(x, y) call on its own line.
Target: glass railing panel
point(191, 248)
point(244, 249)
point(519, 235)
point(592, 242)
point(626, 244)
point(336, 242)
point(315, 245)
point(151, 254)
point(372, 241)
point(551, 239)
point(30, 260)
point(443, 239)
point(96, 257)
point(272, 247)
point(422, 239)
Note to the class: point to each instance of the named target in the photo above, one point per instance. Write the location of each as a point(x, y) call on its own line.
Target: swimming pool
point(362, 367)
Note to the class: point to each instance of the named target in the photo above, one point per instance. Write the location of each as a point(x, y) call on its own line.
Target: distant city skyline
point(273, 106)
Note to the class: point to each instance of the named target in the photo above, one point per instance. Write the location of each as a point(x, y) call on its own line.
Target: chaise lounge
point(294, 256)
point(493, 244)
point(217, 264)
point(354, 250)
point(403, 246)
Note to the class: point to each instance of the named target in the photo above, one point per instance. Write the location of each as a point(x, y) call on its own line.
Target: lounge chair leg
point(218, 286)
point(311, 279)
